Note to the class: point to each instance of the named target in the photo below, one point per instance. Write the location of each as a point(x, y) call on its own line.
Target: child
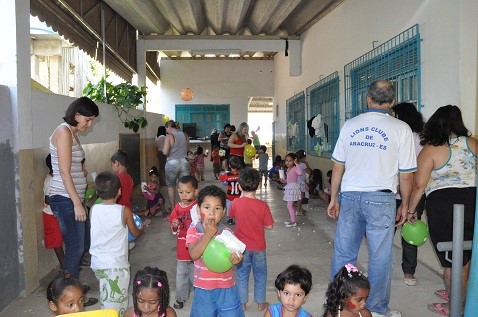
point(248, 159)
point(293, 286)
point(215, 294)
point(233, 190)
point(155, 201)
point(51, 227)
point(347, 294)
point(325, 194)
point(263, 160)
point(292, 189)
point(65, 295)
point(192, 163)
point(150, 294)
point(119, 165)
point(180, 220)
point(216, 161)
point(302, 180)
point(110, 223)
point(199, 160)
point(252, 216)
point(274, 171)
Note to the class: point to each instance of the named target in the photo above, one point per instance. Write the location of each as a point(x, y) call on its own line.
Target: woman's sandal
point(438, 308)
point(443, 294)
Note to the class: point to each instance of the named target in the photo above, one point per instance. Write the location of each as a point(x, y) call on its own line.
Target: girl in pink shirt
point(292, 189)
point(199, 160)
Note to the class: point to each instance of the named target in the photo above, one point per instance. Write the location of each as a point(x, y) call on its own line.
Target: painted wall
point(216, 82)
point(448, 54)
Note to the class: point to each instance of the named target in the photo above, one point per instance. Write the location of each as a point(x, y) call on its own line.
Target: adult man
point(371, 150)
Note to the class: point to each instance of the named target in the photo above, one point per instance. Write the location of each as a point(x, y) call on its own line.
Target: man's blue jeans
point(256, 260)
point(373, 214)
point(73, 232)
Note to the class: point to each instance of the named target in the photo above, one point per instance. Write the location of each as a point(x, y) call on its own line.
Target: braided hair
point(345, 284)
point(152, 278)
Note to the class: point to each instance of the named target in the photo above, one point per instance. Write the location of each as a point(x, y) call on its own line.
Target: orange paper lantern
point(186, 94)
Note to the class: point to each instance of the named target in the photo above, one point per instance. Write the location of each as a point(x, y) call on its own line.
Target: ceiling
point(236, 18)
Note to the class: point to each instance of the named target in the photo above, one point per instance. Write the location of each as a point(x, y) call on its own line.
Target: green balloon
point(98, 201)
point(216, 257)
point(416, 233)
point(89, 193)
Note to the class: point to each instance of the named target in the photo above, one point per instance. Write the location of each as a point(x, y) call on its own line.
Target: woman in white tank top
point(69, 183)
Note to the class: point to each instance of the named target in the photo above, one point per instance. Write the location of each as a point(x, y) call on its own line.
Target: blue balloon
point(137, 222)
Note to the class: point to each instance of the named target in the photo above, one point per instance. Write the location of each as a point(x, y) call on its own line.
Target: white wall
point(448, 50)
point(215, 82)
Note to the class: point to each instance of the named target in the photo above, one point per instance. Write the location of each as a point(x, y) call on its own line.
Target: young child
point(150, 294)
point(292, 189)
point(192, 164)
point(199, 160)
point(248, 159)
point(347, 294)
point(302, 181)
point(263, 161)
point(65, 295)
point(110, 223)
point(293, 286)
point(215, 294)
point(233, 190)
point(119, 165)
point(155, 201)
point(252, 216)
point(180, 220)
point(274, 171)
point(216, 161)
point(51, 227)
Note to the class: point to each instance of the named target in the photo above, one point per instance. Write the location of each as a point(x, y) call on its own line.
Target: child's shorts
point(52, 232)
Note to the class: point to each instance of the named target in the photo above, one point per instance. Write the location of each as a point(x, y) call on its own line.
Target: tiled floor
point(308, 244)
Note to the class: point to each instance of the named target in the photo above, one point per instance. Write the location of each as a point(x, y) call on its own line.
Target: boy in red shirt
point(252, 216)
point(233, 190)
point(119, 165)
point(216, 161)
point(180, 219)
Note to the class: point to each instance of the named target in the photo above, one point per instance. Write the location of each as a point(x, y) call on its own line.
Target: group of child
point(195, 220)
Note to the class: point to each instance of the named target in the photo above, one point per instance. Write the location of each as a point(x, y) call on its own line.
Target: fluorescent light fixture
point(216, 51)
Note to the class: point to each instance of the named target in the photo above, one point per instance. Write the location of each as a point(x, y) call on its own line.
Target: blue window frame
point(323, 105)
point(205, 116)
point(397, 60)
point(296, 122)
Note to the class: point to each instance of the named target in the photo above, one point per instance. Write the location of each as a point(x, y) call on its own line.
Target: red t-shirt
point(237, 151)
point(251, 216)
point(183, 214)
point(231, 178)
point(204, 278)
point(126, 190)
point(215, 156)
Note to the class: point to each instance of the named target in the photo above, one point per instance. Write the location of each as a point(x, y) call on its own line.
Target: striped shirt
point(204, 278)
point(79, 180)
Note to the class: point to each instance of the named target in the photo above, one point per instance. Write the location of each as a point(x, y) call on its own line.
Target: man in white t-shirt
point(372, 150)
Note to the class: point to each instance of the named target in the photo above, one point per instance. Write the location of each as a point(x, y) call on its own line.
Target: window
point(397, 60)
point(323, 105)
point(296, 122)
point(206, 117)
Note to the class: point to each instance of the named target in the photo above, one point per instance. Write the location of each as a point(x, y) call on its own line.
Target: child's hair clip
point(351, 268)
point(138, 282)
point(159, 284)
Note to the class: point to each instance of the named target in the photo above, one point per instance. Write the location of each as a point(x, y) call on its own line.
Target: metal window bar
point(397, 60)
point(323, 99)
point(296, 123)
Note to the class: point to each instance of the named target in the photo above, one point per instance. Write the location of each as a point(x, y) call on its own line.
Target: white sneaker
point(391, 313)
point(290, 224)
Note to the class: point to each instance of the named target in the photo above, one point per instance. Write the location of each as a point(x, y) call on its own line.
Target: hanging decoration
point(186, 94)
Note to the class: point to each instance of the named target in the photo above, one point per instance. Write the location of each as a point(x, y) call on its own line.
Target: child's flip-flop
point(438, 309)
point(443, 294)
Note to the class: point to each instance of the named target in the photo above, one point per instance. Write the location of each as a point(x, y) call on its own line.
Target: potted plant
point(123, 97)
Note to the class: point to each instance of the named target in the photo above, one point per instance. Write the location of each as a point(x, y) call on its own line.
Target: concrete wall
point(448, 53)
point(216, 82)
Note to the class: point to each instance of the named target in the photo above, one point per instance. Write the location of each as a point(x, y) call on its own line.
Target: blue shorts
point(222, 302)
